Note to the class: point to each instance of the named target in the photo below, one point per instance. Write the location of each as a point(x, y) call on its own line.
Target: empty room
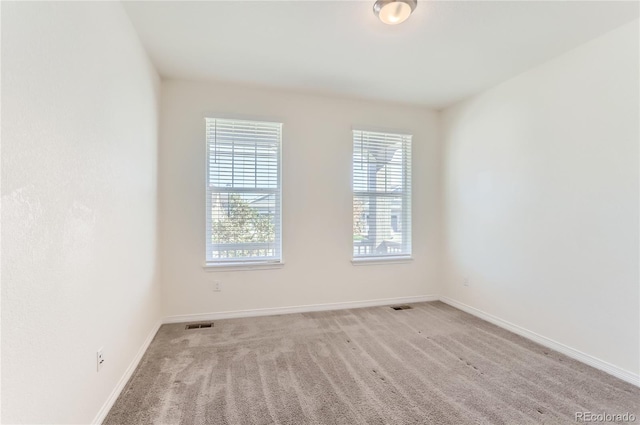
point(320, 212)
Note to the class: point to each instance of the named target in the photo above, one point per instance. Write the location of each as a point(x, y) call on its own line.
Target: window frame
point(255, 263)
point(406, 200)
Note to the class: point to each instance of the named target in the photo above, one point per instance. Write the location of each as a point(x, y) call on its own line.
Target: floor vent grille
point(199, 325)
point(401, 307)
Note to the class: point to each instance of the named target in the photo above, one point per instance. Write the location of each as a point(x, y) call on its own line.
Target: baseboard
point(623, 374)
point(102, 414)
point(297, 309)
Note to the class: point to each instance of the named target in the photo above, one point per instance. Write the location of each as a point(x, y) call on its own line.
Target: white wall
point(317, 217)
point(79, 165)
point(541, 199)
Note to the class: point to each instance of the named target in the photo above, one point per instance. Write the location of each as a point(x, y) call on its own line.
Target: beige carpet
point(430, 365)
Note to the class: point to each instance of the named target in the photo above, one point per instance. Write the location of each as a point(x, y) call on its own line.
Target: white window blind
point(243, 191)
point(381, 195)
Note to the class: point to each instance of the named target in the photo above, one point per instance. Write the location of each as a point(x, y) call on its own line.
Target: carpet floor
point(432, 364)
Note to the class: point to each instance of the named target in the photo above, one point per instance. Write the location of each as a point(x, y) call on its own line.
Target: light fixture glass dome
point(393, 12)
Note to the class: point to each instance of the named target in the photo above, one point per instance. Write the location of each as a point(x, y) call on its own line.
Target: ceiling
point(446, 51)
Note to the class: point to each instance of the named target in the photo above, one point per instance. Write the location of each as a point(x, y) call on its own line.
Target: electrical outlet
point(100, 359)
point(216, 286)
point(465, 282)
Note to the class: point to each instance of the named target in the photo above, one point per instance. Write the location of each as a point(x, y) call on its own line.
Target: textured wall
point(79, 149)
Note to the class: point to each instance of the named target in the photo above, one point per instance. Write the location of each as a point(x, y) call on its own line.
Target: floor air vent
point(199, 325)
point(401, 307)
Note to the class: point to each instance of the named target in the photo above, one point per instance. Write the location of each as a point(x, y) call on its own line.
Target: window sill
point(380, 260)
point(232, 267)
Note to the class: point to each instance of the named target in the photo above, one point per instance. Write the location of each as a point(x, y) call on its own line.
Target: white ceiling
point(446, 51)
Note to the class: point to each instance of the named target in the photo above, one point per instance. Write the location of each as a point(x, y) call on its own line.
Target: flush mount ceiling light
point(393, 12)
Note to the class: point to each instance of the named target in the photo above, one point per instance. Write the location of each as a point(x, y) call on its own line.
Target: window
point(243, 192)
point(381, 195)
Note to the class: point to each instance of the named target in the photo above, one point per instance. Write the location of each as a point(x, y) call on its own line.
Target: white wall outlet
point(216, 286)
point(465, 282)
point(100, 359)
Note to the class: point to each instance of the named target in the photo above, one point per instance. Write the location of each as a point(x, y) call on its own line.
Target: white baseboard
point(623, 374)
point(102, 414)
point(297, 309)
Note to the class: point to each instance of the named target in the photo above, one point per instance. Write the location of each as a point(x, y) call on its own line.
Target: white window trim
point(242, 266)
point(253, 264)
point(408, 166)
point(372, 261)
